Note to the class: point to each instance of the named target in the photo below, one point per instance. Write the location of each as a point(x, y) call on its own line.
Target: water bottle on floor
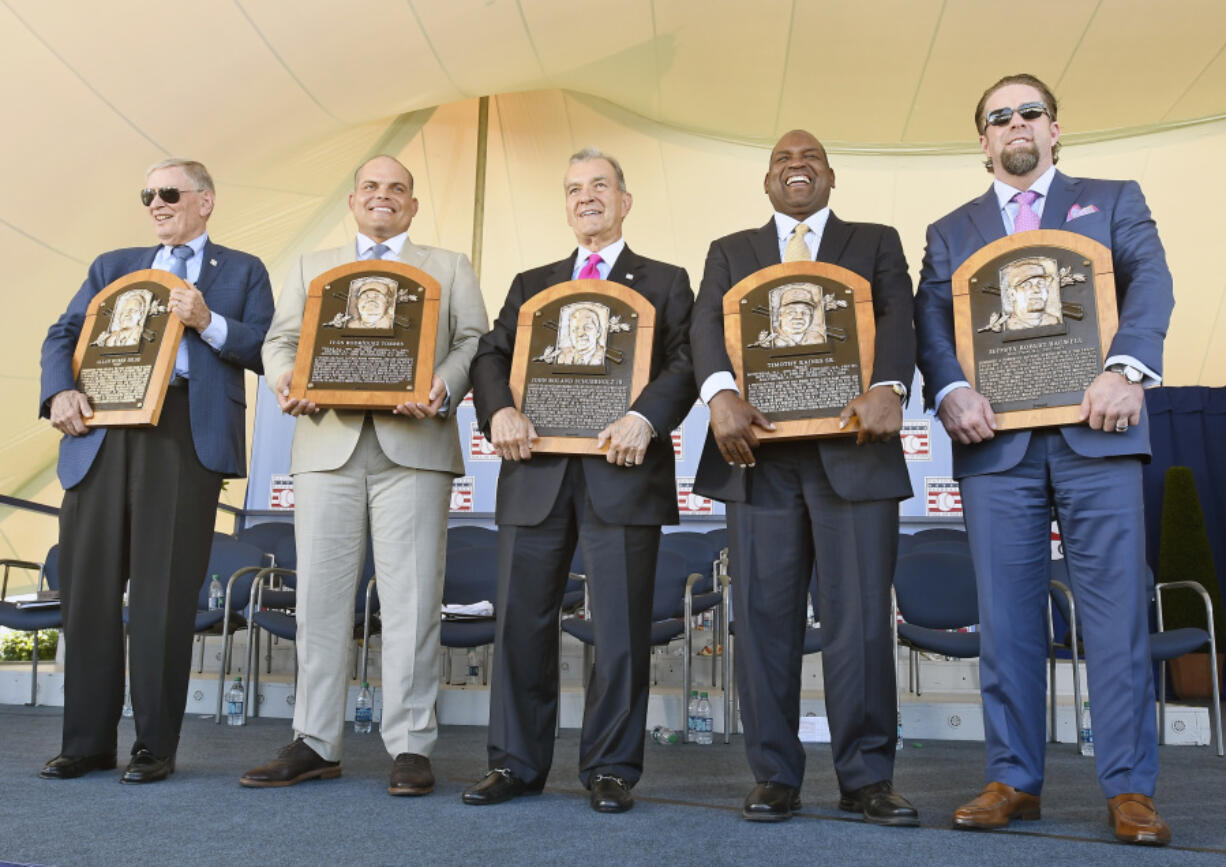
point(664, 736)
point(691, 718)
point(217, 595)
point(473, 676)
point(1087, 733)
point(363, 710)
point(234, 703)
point(705, 727)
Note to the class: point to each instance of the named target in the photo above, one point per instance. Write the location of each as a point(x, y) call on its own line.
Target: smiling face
point(186, 218)
point(382, 200)
point(1020, 150)
point(595, 207)
point(799, 179)
point(1031, 294)
point(584, 330)
point(795, 319)
point(372, 305)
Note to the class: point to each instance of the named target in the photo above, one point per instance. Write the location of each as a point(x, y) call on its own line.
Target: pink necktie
point(590, 272)
point(1026, 218)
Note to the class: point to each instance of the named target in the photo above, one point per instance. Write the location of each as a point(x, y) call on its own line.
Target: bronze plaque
point(1034, 315)
point(125, 356)
point(800, 336)
point(582, 355)
point(368, 336)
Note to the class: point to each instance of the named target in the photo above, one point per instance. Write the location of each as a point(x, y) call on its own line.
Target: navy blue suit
point(1092, 478)
point(139, 507)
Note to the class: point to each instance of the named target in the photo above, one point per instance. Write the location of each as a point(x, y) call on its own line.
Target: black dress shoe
point(66, 767)
point(498, 785)
point(880, 805)
point(411, 775)
point(295, 763)
point(145, 767)
point(610, 794)
point(771, 802)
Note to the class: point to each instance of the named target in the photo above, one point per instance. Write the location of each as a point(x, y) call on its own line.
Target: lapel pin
point(629, 276)
point(213, 262)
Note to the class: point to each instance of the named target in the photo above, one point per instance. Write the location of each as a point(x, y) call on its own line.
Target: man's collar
point(785, 225)
point(1042, 184)
point(197, 243)
point(395, 243)
point(607, 254)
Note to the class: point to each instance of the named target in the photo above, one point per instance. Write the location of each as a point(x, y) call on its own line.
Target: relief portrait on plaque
point(1030, 296)
point(583, 336)
point(127, 324)
point(797, 316)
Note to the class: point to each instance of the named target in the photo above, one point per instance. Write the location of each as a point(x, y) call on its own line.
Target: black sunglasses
point(169, 195)
point(1028, 111)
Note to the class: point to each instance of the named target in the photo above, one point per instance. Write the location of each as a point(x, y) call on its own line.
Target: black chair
point(1164, 644)
point(936, 594)
point(468, 535)
point(945, 536)
point(700, 553)
point(471, 577)
point(268, 537)
point(33, 619)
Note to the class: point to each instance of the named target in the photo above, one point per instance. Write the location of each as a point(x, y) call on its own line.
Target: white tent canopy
point(282, 100)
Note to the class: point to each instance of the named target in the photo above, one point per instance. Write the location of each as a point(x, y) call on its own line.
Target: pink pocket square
point(1080, 211)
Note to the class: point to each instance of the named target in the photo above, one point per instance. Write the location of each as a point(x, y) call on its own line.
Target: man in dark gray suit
point(612, 506)
point(832, 501)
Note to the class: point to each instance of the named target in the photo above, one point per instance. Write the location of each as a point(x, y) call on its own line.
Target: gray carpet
point(687, 812)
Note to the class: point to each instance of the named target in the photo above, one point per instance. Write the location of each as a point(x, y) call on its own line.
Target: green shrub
point(19, 646)
point(1184, 554)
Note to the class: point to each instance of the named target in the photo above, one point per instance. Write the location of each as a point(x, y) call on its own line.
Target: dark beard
point(1021, 160)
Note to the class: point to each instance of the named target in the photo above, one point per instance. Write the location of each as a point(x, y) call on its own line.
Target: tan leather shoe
point(1134, 820)
point(996, 806)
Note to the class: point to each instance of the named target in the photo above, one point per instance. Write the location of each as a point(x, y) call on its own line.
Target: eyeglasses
point(1028, 111)
point(169, 195)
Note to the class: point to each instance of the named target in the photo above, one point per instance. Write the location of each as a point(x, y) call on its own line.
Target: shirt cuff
point(889, 383)
point(446, 407)
point(721, 380)
point(650, 426)
point(960, 383)
point(1151, 379)
point(216, 331)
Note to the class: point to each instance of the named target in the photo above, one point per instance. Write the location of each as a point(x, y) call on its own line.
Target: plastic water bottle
point(217, 595)
point(705, 727)
point(1087, 733)
point(363, 710)
point(234, 703)
point(664, 736)
point(473, 676)
point(691, 718)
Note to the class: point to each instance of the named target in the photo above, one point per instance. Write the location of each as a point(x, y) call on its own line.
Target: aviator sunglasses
point(170, 195)
point(1028, 111)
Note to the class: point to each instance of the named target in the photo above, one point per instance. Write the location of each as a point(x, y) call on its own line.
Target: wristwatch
point(899, 389)
point(1127, 371)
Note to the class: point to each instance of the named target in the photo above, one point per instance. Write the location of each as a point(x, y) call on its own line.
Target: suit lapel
point(765, 244)
point(834, 238)
point(1060, 197)
point(628, 269)
point(560, 271)
point(149, 256)
point(985, 214)
point(211, 257)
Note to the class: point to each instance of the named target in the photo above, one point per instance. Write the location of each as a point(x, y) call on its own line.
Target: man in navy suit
point(140, 503)
point(1089, 472)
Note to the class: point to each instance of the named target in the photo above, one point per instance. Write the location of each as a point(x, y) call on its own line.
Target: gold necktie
point(797, 250)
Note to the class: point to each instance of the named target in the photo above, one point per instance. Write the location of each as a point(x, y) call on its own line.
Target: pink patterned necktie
point(1026, 218)
point(590, 272)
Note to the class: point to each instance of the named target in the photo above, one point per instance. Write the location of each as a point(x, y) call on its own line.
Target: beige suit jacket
point(324, 441)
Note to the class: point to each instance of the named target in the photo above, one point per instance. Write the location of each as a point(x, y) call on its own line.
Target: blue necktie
point(178, 260)
point(377, 251)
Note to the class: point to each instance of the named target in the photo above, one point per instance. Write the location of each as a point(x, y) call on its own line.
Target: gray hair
point(590, 153)
point(195, 171)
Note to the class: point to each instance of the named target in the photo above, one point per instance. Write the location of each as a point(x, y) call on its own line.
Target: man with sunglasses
point(140, 503)
point(1089, 472)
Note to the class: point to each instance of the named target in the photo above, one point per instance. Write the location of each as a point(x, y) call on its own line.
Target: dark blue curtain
point(1188, 428)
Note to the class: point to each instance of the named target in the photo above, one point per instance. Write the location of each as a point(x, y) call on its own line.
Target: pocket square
point(1080, 211)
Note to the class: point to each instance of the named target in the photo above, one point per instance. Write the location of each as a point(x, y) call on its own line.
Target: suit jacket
point(645, 494)
point(871, 471)
point(1143, 293)
point(324, 441)
point(235, 285)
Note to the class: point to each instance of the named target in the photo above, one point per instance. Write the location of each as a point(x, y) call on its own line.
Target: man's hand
point(512, 434)
point(188, 304)
point(69, 409)
point(628, 438)
point(438, 393)
point(732, 421)
point(1112, 403)
point(292, 405)
point(880, 413)
point(967, 416)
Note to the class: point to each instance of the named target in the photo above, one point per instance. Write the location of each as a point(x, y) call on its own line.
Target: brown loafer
point(411, 775)
point(996, 806)
point(293, 764)
point(1134, 820)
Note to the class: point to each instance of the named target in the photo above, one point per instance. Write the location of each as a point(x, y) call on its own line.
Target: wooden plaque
point(801, 336)
point(582, 355)
point(125, 356)
point(1034, 316)
point(368, 336)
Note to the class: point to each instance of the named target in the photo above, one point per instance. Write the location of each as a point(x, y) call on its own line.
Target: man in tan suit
point(395, 467)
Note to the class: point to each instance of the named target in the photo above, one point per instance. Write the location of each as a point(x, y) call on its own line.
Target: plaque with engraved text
point(125, 356)
point(800, 336)
point(582, 355)
point(368, 337)
point(1034, 315)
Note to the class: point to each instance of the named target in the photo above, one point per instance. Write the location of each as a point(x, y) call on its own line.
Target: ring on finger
point(1121, 426)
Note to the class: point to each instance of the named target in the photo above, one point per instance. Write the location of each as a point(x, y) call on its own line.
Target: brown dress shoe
point(1134, 820)
point(996, 806)
point(411, 775)
point(293, 764)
